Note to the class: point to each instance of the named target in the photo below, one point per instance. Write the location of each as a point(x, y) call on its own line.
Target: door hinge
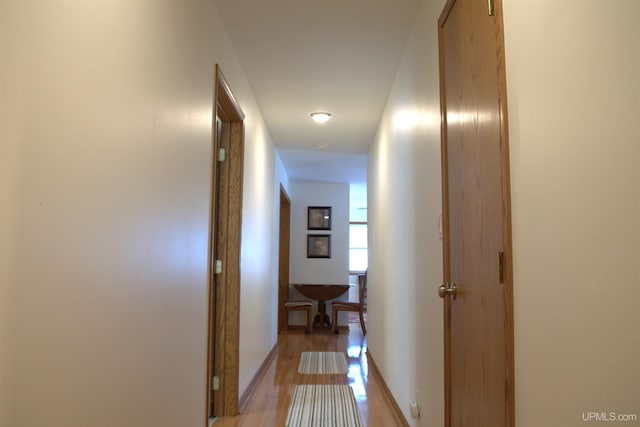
point(501, 268)
point(491, 8)
point(218, 266)
point(222, 154)
point(215, 383)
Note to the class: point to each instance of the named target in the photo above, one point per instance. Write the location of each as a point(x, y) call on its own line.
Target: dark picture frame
point(319, 218)
point(318, 246)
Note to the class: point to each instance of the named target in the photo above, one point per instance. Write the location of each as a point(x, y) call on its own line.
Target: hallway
point(269, 403)
point(106, 157)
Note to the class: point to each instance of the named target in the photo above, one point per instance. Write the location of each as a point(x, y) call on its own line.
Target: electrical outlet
point(414, 407)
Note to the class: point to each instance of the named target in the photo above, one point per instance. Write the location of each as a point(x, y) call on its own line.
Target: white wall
point(574, 99)
point(105, 121)
point(405, 265)
point(264, 173)
point(573, 94)
point(334, 270)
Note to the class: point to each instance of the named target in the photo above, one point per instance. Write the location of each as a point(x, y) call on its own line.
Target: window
point(358, 249)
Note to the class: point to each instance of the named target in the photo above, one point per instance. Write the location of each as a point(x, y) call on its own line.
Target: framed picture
point(319, 218)
point(318, 246)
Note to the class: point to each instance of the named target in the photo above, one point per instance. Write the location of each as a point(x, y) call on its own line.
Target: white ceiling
point(338, 56)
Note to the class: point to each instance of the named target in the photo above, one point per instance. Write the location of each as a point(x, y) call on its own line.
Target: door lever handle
point(448, 289)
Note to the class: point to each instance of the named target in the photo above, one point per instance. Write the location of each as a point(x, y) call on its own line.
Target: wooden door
point(477, 247)
point(224, 252)
point(283, 259)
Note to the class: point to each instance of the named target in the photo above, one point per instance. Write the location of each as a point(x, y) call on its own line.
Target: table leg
point(322, 318)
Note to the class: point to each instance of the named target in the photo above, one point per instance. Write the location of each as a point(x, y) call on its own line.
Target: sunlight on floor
point(358, 371)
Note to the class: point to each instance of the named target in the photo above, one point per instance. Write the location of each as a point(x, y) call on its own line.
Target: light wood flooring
point(269, 403)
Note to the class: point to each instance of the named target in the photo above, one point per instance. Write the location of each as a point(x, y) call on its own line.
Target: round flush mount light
point(320, 116)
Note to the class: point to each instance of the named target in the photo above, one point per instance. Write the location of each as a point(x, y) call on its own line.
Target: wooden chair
point(301, 306)
point(360, 306)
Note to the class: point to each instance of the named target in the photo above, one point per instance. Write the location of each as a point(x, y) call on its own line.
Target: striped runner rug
point(323, 406)
point(322, 362)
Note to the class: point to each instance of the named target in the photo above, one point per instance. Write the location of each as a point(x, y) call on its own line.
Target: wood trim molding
point(225, 100)
point(385, 389)
point(262, 371)
point(444, 155)
point(225, 243)
point(283, 257)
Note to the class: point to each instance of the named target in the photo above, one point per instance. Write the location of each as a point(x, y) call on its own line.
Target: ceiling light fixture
point(320, 116)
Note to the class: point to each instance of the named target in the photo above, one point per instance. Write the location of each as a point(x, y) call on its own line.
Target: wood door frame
point(224, 244)
point(507, 235)
point(283, 258)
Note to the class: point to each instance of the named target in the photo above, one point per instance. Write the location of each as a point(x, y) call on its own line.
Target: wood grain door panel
point(479, 321)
